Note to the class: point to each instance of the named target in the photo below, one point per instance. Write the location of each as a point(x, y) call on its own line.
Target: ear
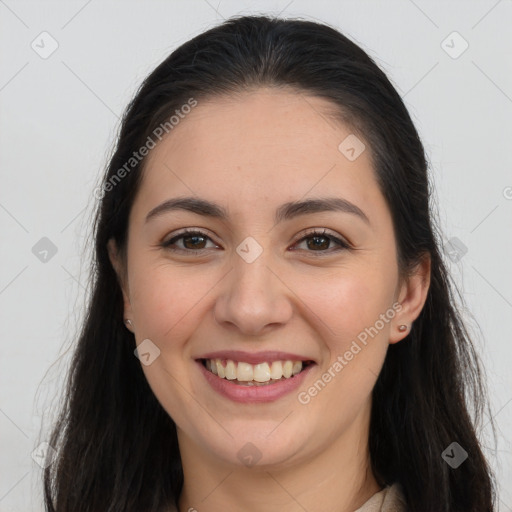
point(121, 272)
point(412, 296)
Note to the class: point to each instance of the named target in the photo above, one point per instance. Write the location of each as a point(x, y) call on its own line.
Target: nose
point(254, 298)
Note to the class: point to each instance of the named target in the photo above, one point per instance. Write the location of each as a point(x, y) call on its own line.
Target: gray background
point(58, 120)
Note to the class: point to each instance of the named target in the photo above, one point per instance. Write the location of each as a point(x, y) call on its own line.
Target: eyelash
point(343, 245)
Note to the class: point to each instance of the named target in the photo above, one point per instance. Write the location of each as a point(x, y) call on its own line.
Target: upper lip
point(254, 357)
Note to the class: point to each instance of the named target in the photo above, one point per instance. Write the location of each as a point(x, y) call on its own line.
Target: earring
point(402, 328)
point(128, 323)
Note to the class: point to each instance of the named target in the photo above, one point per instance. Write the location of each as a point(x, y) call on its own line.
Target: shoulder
point(394, 500)
point(389, 499)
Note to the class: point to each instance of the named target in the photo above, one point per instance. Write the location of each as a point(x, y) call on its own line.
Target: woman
point(272, 326)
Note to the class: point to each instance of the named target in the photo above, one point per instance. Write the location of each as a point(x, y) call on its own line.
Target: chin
point(253, 449)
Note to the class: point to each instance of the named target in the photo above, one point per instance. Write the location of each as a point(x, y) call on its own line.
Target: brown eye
point(320, 242)
point(192, 241)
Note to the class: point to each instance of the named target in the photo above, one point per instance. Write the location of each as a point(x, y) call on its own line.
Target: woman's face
point(255, 286)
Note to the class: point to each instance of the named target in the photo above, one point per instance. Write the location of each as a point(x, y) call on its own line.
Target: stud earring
point(402, 328)
point(128, 323)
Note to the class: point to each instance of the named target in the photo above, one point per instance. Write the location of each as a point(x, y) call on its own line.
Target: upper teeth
point(246, 372)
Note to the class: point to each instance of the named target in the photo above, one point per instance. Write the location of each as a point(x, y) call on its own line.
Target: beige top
point(390, 499)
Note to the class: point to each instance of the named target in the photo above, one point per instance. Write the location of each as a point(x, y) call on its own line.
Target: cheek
point(152, 304)
point(347, 301)
point(166, 300)
point(356, 338)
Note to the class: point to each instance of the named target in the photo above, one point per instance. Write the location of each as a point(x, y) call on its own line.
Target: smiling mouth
point(262, 374)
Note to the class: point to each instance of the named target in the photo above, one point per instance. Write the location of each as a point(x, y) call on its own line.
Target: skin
point(251, 153)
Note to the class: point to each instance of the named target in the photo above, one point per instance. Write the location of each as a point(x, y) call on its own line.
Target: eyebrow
point(285, 212)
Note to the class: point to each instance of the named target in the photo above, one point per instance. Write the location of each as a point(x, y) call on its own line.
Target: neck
point(335, 478)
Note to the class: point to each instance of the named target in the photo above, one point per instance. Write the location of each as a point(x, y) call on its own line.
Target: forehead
point(288, 125)
point(266, 144)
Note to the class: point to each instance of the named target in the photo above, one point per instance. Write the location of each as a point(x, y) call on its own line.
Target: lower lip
point(254, 394)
